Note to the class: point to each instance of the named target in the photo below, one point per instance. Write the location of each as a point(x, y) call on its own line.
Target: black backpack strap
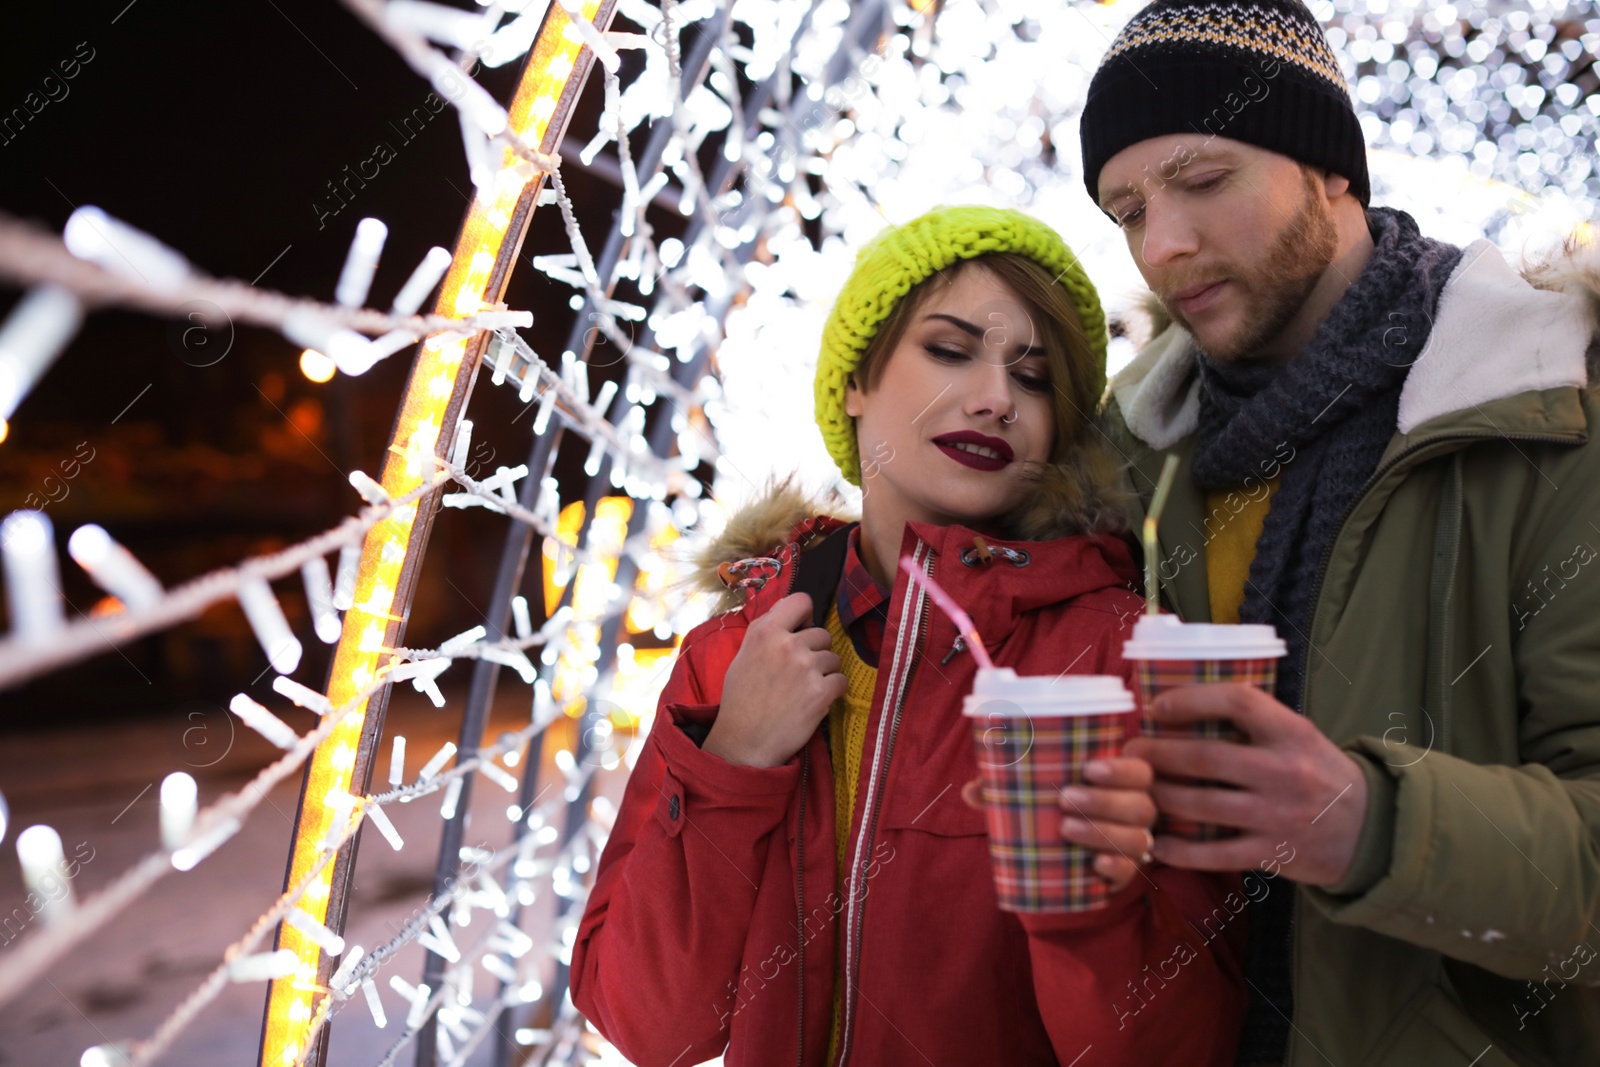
point(819, 569)
point(817, 574)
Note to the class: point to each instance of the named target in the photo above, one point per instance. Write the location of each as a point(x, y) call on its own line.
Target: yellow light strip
point(434, 381)
point(575, 672)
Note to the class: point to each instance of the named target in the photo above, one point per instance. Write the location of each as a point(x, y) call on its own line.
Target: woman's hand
point(777, 689)
point(1111, 816)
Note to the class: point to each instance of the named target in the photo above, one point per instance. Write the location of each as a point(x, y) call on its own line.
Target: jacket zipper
point(800, 900)
point(1327, 553)
point(1439, 638)
point(869, 831)
point(800, 861)
point(1316, 608)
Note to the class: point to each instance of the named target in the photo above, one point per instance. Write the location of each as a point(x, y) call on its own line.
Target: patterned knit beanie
point(899, 258)
point(1258, 71)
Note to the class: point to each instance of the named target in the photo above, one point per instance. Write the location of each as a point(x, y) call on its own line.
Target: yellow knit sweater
point(847, 735)
point(1232, 527)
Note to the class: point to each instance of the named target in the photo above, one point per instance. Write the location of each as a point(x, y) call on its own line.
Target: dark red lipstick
point(962, 444)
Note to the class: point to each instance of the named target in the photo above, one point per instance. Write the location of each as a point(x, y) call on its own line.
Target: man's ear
point(1334, 185)
point(852, 396)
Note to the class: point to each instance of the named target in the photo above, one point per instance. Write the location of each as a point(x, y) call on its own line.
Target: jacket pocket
point(1438, 1031)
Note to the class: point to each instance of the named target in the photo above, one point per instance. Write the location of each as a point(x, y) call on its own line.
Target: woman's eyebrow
point(973, 330)
point(968, 328)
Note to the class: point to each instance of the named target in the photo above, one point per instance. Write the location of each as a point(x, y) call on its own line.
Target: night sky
point(225, 130)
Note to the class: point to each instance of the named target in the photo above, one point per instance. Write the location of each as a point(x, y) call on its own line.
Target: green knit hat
point(899, 258)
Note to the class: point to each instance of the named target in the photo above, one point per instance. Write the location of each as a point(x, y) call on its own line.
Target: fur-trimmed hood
point(1085, 496)
point(1498, 332)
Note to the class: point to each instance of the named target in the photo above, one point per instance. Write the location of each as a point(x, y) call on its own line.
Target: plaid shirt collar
point(863, 604)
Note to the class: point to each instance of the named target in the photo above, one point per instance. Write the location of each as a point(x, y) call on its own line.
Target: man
point(1387, 452)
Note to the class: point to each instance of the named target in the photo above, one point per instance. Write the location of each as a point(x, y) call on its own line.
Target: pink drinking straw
point(962, 620)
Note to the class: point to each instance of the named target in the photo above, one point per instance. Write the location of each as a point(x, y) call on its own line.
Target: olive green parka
point(1455, 652)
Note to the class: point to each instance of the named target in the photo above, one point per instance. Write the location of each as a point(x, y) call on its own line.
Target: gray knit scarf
point(1336, 405)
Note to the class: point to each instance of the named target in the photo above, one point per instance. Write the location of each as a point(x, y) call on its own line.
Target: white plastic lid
point(1168, 637)
point(1001, 692)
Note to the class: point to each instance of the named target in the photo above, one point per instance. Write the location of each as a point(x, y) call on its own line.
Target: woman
point(794, 876)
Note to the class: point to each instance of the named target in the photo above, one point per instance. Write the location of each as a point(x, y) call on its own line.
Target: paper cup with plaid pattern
point(1033, 736)
point(1167, 653)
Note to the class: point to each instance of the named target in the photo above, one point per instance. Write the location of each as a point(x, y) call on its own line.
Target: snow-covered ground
point(97, 787)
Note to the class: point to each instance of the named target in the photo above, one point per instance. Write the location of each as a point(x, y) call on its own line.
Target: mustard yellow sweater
point(847, 736)
point(1233, 525)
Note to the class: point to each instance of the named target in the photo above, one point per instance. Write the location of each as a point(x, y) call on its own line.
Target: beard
point(1278, 286)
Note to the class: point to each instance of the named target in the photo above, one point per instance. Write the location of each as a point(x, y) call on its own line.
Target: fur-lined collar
point(1498, 333)
point(1081, 497)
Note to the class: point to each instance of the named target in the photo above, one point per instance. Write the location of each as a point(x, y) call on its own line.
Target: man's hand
point(777, 689)
point(1111, 816)
point(1290, 784)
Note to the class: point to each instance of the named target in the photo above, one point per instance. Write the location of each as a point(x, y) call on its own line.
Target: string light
point(423, 278)
point(271, 628)
point(44, 871)
point(316, 366)
point(311, 328)
point(899, 121)
point(369, 489)
point(113, 567)
point(341, 978)
point(397, 762)
point(361, 263)
point(304, 696)
point(33, 335)
point(263, 722)
point(33, 578)
point(179, 796)
point(369, 989)
point(344, 587)
point(498, 776)
point(109, 1055)
point(112, 244)
point(385, 827)
point(326, 939)
point(319, 598)
point(266, 965)
point(437, 761)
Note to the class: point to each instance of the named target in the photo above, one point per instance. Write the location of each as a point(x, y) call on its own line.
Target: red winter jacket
point(711, 926)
